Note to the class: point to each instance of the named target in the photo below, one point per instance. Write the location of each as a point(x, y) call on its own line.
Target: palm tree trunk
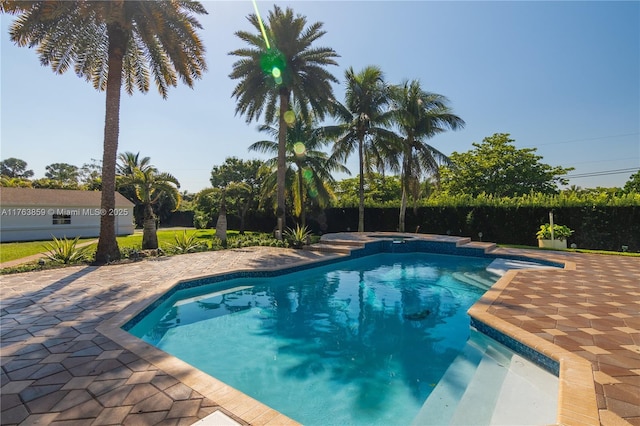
point(404, 176)
point(149, 235)
point(361, 186)
point(282, 162)
point(107, 245)
point(243, 215)
point(303, 219)
point(403, 209)
point(221, 224)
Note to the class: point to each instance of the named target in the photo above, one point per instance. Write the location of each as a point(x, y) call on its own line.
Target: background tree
point(362, 126)
point(273, 70)
point(241, 183)
point(46, 183)
point(309, 175)
point(91, 175)
point(380, 190)
point(15, 182)
point(150, 186)
point(65, 173)
point(419, 116)
point(112, 43)
point(633, 184)
point(205, 207)
point(496, 167)
point(126, 164)
point(15, 168)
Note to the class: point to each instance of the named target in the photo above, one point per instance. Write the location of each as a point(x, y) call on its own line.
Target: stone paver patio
point(66, 361)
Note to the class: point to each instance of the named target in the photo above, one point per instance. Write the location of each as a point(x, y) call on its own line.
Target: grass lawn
point(167, 237)
point(12, 251)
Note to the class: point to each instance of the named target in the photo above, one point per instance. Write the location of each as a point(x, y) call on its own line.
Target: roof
point(55, 197)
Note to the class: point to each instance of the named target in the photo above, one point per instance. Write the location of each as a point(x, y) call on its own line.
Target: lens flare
point(307, 174)
point(272, 61)
point(290, 118)
point(262, 30)
point(300, 150)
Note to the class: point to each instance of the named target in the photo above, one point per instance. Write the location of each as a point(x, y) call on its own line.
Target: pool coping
point(238, 405)
point(577, 402)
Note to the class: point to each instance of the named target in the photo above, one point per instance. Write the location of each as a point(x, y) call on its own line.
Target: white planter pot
point(553, 244)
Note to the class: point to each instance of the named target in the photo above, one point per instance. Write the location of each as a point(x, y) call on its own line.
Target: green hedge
point(596, 227)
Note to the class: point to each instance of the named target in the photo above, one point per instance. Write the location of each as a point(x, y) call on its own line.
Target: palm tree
point(112, 43)
point(126, 165)
point(419, 116)
point(363, 119)
point(150, 185)
point(128, 162)
point(276, 68)
point(313, 168)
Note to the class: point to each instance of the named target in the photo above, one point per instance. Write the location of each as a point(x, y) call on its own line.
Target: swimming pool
point(363, 341)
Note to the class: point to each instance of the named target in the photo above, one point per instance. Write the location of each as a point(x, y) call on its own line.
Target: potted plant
point(297, 237)
point(560, 235)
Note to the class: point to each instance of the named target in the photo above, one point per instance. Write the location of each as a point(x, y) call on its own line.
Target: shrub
point(66, 251)
point(560, 232)
point(297, 237)
point(185, 243)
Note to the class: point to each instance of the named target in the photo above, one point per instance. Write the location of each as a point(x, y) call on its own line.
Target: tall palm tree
point(311, 176)
point(363, 121)
point(150, 185)
point(113, 43)
point(274, 69)
point(419, 116)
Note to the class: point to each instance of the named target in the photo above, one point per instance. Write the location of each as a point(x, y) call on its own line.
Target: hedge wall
point(598, 228)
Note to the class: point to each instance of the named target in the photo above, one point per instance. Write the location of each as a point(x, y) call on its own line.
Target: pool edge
point(574, 389)
point(577, 401)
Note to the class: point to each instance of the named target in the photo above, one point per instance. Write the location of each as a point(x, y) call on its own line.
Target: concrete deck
point(65, 361)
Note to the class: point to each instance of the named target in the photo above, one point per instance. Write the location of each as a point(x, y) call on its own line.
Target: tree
point(15, 182)
point(496, 167)
point(128, 162)
point(379, 190)
point(91, 175)
point(309, 174)
point(205, 203)
point(240, 183)
point(112, 43)
point(67, 174)
point(362, 125)
point(419, 116)
point(633, 184)
point(273, 69)
point(150, 185)
point(15, 168)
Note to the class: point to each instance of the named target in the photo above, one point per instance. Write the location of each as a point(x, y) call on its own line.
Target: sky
point(561, 77)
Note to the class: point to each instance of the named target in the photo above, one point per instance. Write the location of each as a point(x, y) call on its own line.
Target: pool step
point(474, 280)
point(442, 403)
point(334, 246)
point(487, 384)
point(477, 404)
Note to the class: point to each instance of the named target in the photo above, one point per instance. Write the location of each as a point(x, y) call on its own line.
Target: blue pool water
point(363, 341)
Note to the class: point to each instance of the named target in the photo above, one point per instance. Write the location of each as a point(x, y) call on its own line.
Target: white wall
point(36, 223)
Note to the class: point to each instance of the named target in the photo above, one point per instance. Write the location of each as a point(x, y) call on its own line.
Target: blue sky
point(561, 77)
